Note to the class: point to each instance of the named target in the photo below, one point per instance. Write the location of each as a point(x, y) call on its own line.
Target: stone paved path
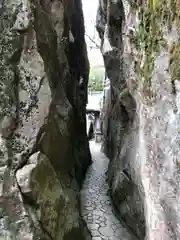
point(96, 207)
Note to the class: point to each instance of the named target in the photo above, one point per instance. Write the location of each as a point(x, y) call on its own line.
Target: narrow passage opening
point(96, 207)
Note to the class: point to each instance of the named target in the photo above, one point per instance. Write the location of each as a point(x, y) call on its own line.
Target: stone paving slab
point(95, 203)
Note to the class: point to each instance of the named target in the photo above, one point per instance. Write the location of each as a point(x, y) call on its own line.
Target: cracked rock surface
point(95, 203)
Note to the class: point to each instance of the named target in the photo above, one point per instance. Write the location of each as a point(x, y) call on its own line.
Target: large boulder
point(44, 150)
point(142, 121)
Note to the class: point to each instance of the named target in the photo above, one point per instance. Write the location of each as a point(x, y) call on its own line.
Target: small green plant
point(153, 4)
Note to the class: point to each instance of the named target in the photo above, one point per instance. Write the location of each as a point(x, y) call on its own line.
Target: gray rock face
point(140, 46)
point(44, 151)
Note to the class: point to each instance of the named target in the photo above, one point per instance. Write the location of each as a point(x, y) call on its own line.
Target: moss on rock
point(174, 65)
point(149, 36)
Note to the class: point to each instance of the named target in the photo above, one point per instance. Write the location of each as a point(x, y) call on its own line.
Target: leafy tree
point(96, 78)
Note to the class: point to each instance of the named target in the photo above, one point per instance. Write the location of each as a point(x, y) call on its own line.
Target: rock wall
point(140, 46)
point(44, 151)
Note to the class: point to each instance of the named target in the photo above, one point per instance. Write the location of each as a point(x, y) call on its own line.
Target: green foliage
point(149, 37)
point(174, 66)
point(96, 78)
point(153, 4)
point(174, 62)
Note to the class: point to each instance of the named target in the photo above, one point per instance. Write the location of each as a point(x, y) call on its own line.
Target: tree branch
point(97, 46)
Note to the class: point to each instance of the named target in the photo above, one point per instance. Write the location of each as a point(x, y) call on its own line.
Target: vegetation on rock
point(149, 38)
point(174, 62)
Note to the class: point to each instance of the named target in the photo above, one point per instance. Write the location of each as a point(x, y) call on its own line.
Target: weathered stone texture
point(44, 151)
point(143, 127)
